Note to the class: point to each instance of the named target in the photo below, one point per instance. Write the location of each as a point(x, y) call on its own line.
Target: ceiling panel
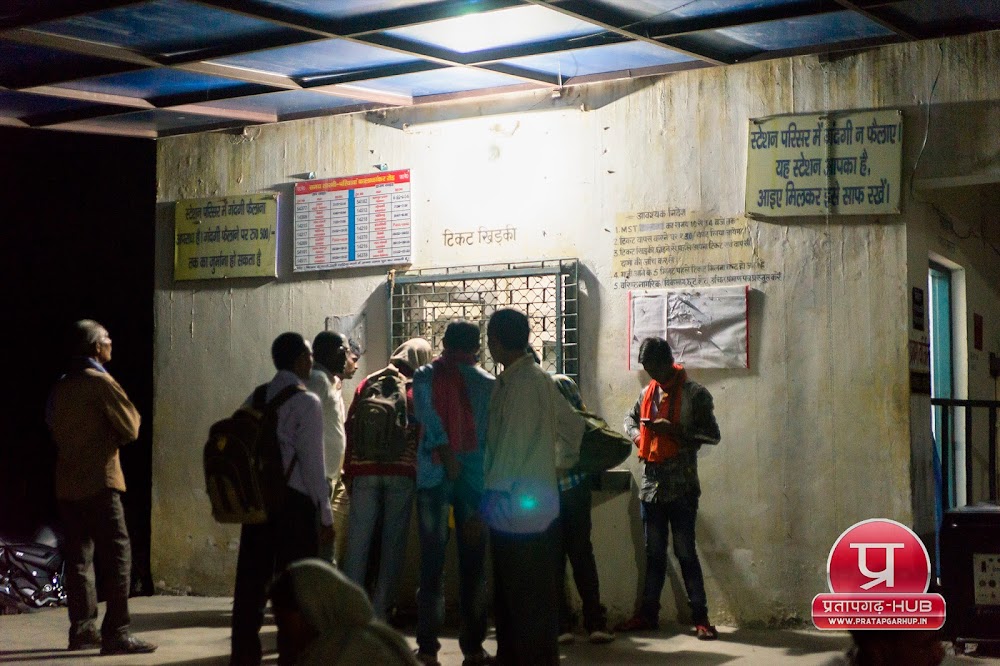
point(802, 32)
point(654, 11)
point(164, 27)
point(24, 65)
point(600, 60)
point(159, 120)
point(151, 84)
point(495, 29)
point(347, 9)
point(439, 82)
point(321, 57)
point(938, 17)
point(292, 102)
point(24, 105)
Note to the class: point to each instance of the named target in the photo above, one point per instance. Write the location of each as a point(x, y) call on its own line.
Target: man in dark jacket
point(670, 421)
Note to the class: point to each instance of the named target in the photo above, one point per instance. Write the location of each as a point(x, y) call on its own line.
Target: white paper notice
point(706, 327)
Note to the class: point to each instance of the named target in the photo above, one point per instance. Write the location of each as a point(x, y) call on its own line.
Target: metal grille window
point(422, 302)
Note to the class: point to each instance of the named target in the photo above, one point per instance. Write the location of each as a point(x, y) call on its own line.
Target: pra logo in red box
point(878, 572)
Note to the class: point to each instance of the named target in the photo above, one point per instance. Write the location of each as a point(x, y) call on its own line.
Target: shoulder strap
point(283, 396)
point(259, 399)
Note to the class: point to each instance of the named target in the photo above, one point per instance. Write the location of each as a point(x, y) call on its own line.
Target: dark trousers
point(574, 514)
point(526, 589)
point(679, 516)
point(433, 506)
point(97, 523)
point(265, 550)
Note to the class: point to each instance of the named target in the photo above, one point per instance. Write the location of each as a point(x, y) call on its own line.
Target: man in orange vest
point(670, 421)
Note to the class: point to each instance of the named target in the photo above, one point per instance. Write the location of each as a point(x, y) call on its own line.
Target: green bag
point(601, 447)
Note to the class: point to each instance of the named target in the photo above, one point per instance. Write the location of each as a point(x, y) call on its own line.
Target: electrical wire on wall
point(945, 220)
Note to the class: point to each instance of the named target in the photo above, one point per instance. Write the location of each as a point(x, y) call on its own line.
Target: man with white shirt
point(532, 432)
point(291, 534)
point(334, 361)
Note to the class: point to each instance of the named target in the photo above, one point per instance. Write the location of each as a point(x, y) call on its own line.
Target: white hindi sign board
point(353, 221)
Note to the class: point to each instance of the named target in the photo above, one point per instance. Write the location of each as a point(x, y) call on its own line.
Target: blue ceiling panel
point(656, 11)
point(161, 27)
point(438, 82)
point(159, 121)
point(290, 102)
point(804, 31)
point(328, 56)
point(154, 83)
point(600, 59)
point(935, 15)
point(346, 9)
point(24, 105)
point(23, 65)
point(496, 29)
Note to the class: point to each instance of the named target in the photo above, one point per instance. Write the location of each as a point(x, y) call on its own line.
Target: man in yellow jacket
point(90, 418)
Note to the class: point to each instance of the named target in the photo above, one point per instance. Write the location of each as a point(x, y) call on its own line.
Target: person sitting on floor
point(323, 618)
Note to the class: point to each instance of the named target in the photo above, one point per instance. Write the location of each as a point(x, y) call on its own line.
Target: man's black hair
point(286, 349)
point(326, 346)
point(655, 351)
point(462, 336)
point(510, 329)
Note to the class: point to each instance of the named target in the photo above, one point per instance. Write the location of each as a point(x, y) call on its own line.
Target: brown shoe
point(637, 623)
point(88, 640)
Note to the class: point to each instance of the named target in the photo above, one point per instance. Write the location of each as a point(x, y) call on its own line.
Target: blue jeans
point(432, 512)
point(679, 515)
point(389, 498)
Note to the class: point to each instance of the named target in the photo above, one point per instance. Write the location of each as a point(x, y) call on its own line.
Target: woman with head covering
point(380, 470)
point(323, 619)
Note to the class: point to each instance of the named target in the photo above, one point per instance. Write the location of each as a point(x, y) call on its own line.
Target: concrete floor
point(195, 630)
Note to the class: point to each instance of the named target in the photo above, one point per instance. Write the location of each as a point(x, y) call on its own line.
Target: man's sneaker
point(426, 659)
point(481, 659)
point(706, 632)
point(638, 623)
point(88, 640)
point(601, 636)
point(127, 645)
point(566, 637)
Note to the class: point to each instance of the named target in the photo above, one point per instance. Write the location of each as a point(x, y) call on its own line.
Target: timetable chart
point(353, 221)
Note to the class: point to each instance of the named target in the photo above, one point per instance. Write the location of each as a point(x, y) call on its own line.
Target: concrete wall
point(815, 433)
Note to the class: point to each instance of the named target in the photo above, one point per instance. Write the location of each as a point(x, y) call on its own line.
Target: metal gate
point(422, 302)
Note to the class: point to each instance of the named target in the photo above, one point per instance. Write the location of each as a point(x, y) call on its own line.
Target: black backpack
point(378, 429)
point(244, 476)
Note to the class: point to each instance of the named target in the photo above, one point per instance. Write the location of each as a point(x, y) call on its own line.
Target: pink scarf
point(451, 402)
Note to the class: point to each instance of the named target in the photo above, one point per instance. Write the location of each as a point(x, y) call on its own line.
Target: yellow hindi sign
point(226, 237)
point(839, 163)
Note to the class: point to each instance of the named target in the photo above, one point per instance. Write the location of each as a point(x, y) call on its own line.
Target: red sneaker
point(637, 623)
point(706, 632)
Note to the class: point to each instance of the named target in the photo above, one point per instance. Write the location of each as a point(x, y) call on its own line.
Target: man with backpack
point(451, 399)
point(334, 362)
point(380, 469)
point(290, 531)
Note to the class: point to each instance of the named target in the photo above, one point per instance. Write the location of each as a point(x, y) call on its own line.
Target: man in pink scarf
point(451, 399)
